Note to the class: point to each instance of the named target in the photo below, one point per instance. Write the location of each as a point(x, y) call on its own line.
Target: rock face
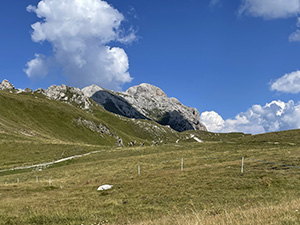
point(5, 85)
point(67, 94)
point(112, 102)
point(146, 101)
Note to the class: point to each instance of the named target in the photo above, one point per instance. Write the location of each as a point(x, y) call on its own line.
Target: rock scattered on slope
point(102, 129)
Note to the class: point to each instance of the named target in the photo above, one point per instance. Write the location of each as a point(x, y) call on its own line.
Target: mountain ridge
point(146, 101)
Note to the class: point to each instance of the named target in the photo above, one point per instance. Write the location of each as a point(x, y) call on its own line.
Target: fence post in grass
point(50, 182)
point(181, 164)
point(37, 179)
point(18, 180)
point(242, 168)
point(139, 170)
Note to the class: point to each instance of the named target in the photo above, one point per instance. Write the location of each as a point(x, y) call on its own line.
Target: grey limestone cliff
point(147, 101)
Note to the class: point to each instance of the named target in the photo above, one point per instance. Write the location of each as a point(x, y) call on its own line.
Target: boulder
point(104, 187)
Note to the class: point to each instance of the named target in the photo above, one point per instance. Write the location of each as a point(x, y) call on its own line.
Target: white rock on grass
point(104, 187)
point(198, 140)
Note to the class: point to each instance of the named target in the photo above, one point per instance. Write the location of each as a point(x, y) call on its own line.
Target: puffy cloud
point(296, 35)
point(289, 83)
point(270, 9)
point(274, 116)
point(80, 32)
point(37, 67)
point(273, 9)
point(212, 120)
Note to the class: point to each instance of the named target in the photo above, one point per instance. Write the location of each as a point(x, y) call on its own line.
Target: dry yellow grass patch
point(284, 213)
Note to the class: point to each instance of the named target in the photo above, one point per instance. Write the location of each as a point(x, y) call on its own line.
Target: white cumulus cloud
point(295, 36)
point(273, 116)
point(37, 67)
point(270, 9)
point(289, 83)
point(273, 9)
point(80, 32)
point(212, 120)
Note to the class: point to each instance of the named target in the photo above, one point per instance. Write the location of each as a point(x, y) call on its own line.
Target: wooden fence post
point(181, 164)
point(242, 168)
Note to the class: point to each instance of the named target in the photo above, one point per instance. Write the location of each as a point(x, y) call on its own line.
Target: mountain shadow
point(116, 104)
point(176, 121)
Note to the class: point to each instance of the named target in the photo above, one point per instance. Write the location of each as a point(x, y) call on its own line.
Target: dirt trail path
point(41, 165)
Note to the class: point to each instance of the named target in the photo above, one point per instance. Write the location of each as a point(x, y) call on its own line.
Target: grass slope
point(34, 129)
point(210, 189)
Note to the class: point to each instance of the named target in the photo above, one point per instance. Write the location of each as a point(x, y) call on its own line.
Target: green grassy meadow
point(209, 190)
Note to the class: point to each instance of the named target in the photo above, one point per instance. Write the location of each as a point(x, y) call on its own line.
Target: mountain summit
point(146, 101)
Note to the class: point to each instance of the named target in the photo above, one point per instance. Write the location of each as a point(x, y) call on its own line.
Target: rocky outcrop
point(147, 102)
point(112, 102)
point(5, 85)
point(154, 104)
point(66, 94)
point(102, 129)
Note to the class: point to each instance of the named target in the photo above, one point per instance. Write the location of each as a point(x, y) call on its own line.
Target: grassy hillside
point(34, 128)
point(288, 136)
point(34, 116)
point(209, 190)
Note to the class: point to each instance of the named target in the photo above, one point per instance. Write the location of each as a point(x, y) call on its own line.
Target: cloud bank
point(270, 9)
point(80, 32)
point(289, 83)
point(274, 116)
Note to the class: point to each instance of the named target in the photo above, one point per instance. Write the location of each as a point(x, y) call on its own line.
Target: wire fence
point(179, 163)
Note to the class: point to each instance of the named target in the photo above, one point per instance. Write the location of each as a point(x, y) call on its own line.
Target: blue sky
point(221, 57)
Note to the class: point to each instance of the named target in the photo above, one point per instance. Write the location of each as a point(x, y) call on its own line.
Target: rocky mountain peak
point(6, 85)
point(91, 90)
point(146, 101)
point(145, 90)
